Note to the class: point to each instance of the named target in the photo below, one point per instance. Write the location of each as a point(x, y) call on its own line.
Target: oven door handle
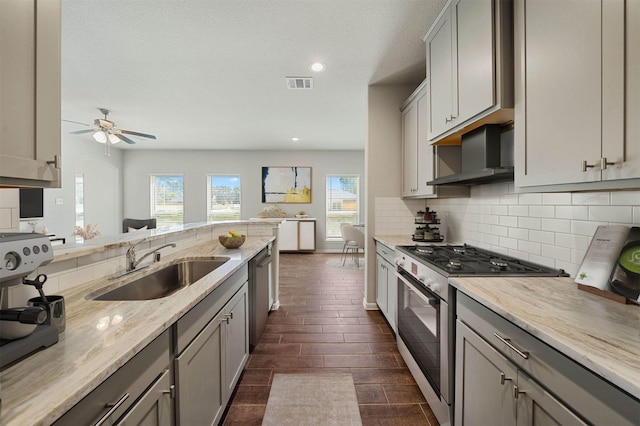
point(433, 301)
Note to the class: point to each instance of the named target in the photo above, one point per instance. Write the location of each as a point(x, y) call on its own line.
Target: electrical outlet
point(59, 201)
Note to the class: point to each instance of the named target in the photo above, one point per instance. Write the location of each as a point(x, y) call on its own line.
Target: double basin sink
point(165, 281)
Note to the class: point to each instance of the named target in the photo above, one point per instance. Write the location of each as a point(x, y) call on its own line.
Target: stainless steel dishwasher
point(259, 283)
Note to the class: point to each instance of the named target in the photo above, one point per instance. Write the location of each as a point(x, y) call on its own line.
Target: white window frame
point(228, 175)
point(152, 196)
point(329, 203)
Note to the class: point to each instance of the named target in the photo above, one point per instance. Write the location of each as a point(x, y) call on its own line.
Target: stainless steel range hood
point(487, 156)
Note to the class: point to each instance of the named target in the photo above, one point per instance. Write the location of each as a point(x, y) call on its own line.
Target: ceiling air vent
point(299, 82)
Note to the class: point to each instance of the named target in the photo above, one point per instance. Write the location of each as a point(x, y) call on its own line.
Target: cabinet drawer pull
point(112, 408)
point(507, 342)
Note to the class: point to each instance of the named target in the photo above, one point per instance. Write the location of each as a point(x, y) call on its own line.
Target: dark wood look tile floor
point(322, 326)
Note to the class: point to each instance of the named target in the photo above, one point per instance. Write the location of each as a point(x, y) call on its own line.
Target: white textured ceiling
point(210, 74)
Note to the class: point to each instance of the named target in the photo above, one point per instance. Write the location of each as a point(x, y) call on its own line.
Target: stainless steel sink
point(165, 281)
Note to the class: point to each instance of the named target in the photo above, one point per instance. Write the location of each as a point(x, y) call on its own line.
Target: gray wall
point(195, 165)
point(383, 163)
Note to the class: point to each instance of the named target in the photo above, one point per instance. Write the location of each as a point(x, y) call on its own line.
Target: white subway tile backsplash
point(509, 199)
point(510, 243)
point(556, 198)
point(544, 237)
point(572, 241)
point(551, 229)
point(542, 211)
point(590, 198)
point(530, 199)
point(615, 214)
point(518, 233)
point(582, 227)
point(490, 219)
point(529, 247)
point(501, 231)
point(499, 210)
point(625, 198)
point(517, 210)
point(572, 212)
point(562, 254)
point(556, 225)
point(508, 221)
point(529, 222)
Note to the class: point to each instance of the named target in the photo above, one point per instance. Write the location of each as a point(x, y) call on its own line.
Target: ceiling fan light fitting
point(114, 139)
point(100, 136)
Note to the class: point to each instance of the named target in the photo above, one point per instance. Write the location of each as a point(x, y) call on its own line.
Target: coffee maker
point(22, 331)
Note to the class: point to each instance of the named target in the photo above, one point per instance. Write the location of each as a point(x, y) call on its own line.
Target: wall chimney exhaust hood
point(487, 156)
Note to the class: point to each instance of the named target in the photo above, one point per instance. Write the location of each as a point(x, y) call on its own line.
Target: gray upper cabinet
point(577, 94)
point(469, 68)
point(30, 100)
point(421, 161)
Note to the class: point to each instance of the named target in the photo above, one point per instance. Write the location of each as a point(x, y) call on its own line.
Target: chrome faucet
point(132, 262)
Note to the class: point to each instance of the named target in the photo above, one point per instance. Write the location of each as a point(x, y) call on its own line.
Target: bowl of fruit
point(232, 239)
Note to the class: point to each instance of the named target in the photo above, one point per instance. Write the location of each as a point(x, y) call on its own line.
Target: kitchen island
point(101, 336)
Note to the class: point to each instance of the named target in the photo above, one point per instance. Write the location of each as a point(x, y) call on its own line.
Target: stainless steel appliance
point(426, 310)
point(259, 283)
point(21, 328)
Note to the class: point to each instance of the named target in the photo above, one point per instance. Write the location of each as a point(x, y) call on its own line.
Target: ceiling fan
point(107, 132)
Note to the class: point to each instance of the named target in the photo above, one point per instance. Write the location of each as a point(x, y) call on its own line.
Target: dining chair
point(353, 241)
point(130, 224)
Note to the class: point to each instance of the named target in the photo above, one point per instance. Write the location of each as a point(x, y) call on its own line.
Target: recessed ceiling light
point(295, 139)
point(318, 67)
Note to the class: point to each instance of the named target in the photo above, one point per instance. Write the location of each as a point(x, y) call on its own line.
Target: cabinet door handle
point(112, 408)
point(517, 392)
point(586, 166)
point(55, 161)
point(507, 342)
point(171, 391)
point(504, 378)
point(604, 163)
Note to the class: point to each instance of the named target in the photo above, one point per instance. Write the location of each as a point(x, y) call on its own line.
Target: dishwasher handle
point(264, 261)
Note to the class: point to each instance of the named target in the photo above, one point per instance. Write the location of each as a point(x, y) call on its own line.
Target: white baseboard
point(370, 306)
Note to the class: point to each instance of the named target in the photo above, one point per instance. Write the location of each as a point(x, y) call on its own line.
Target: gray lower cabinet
point(155, 407)
point(491, 390)
point(213, 348)
point(139, 393)
point(386, 284)
point(506, 376)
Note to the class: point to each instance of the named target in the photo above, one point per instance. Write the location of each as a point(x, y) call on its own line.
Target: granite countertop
point(598, 333)
point(39, 389)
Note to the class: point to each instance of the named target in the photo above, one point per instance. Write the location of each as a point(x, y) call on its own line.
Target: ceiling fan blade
point(144, 135)
point(124, 138)
point(79, 132)
point(76, 122)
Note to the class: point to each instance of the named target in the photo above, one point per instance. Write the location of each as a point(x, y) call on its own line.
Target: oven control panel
point(426, 276)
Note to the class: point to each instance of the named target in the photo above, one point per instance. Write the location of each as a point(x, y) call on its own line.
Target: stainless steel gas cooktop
point(459, 260)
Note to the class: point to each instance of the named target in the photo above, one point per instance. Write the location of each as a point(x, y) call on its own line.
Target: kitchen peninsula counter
point(101, 336)
point(597, 333)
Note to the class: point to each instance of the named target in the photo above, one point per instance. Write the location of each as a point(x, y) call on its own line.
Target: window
point(343, 203)
point(223, 197)
point(167, 196)
point(80, 200)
